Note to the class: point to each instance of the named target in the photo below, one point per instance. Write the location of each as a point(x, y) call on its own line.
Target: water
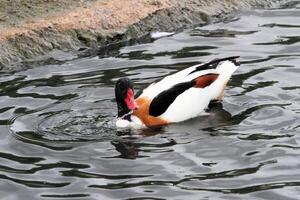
point(58, 139)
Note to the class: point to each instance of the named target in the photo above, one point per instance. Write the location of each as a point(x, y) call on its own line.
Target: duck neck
point(127, 116)
point(124, 113)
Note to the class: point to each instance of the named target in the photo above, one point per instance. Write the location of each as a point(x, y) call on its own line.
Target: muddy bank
point(36, 27)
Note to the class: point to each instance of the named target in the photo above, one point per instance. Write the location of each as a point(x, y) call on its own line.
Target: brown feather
point(142, 112)
point(205, 80)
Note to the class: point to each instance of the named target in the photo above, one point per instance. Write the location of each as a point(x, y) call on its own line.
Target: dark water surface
point(58, 139)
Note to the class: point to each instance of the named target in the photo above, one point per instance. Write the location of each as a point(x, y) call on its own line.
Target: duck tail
point(228, 66)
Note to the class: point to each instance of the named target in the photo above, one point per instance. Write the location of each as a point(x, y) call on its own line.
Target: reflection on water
point(58, 139)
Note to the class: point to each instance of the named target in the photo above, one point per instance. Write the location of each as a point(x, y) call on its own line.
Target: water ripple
point(59, 141)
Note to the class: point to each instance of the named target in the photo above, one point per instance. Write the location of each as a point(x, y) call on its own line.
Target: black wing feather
point(214, 63)
point(161, 102)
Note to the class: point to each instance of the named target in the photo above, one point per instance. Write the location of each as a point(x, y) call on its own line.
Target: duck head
point(125, 97)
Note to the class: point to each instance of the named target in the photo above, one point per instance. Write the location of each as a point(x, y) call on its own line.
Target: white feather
point(226, 69)
point(182, 76)
point(135, 123)
point(193, 101)
point(188, 105)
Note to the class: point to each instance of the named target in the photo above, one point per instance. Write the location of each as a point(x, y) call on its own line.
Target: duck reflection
point(127, 149)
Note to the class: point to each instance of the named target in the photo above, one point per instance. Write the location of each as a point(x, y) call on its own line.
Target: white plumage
point(193, 101)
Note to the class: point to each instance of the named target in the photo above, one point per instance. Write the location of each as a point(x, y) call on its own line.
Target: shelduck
point(176, 98)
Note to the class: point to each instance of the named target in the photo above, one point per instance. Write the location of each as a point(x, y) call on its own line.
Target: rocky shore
point(31, 28)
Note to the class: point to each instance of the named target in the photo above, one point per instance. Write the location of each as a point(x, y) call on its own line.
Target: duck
point(178, 97)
